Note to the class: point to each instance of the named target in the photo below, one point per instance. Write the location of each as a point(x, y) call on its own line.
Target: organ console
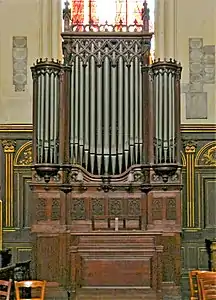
point(106, 183)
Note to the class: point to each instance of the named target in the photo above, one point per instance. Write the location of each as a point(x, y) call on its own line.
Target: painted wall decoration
point(19, 56)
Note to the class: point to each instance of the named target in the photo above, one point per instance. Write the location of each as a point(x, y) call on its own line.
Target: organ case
point(107, 173)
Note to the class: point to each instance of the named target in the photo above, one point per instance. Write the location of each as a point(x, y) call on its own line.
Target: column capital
point(190, 147)
point(9, 146)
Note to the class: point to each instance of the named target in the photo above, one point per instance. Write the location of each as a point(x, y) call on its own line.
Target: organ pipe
point(165, 77)
point(107, 115)
point(46, 81)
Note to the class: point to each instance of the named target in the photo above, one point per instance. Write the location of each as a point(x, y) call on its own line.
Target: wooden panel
point(48, 267)
point(24, 253)
point(203, 258)
point(125, 271)
point(210, 203)
point(119, 260)
point(171, 259)
point(164, 211)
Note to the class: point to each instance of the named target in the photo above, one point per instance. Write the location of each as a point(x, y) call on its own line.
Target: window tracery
point(115, 12)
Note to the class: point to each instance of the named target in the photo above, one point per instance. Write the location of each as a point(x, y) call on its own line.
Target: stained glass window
point(125, 12)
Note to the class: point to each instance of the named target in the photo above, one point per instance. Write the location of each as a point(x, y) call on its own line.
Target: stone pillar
point(165, 29)
point(50, 29)
point(159, 28)
point(170, 29)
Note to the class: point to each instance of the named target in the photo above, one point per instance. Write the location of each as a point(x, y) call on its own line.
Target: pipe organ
point(107, 169)
point(106, 134)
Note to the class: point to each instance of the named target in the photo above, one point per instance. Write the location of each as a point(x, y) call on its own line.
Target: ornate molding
point(209, 158)
point(190, 150)
point(9, 149)
point(9, 146)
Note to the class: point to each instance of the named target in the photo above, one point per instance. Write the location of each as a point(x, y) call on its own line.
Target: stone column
point(159, 29)
point(56, 29)
point(170, 29)
point(50, 29)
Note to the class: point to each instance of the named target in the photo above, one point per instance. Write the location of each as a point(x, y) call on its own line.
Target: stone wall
point(185, 30)
point(29, 29)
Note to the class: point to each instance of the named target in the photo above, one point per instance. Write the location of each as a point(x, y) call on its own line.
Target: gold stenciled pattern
point(24, 155)
point(26, 158)
point(209, 158)
point(206, 156)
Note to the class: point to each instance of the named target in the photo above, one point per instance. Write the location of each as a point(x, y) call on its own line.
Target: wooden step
point(117, 294)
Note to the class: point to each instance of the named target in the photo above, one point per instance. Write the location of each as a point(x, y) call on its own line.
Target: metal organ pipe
point(106, 101)
point(164, 76)
point(46, 78)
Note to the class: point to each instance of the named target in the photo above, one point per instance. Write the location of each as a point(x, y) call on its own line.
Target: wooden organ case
point(106, 184)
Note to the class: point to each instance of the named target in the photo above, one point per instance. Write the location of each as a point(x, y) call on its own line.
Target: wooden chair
point(33, 284)
point(5, 288)
point(193, 283)
point(207, 285)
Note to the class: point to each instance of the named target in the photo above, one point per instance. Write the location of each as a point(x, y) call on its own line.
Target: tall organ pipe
point(46, 80)
point(165, 77)
point(106, 104)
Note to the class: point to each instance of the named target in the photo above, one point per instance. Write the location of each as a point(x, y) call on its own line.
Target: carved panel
point(20, 53)
point(206, 155)
point(134, 207)
point(209, 157)
point(171, 209)
point(157, 209)
point(55, 215)
point(115, 207)
point(78, 210)
point(26, 158)
point(98, 206)
point(201, 72)
point(41, 210)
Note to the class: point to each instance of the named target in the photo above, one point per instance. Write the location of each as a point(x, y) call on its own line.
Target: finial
point(145, 16)
point(67, 16)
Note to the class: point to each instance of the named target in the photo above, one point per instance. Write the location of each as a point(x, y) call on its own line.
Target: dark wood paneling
point(194, 251)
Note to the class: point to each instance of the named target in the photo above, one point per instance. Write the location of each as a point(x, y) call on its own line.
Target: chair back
point(5, 288)
point(33, 284)
point(193, 283)
point(207, 285)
